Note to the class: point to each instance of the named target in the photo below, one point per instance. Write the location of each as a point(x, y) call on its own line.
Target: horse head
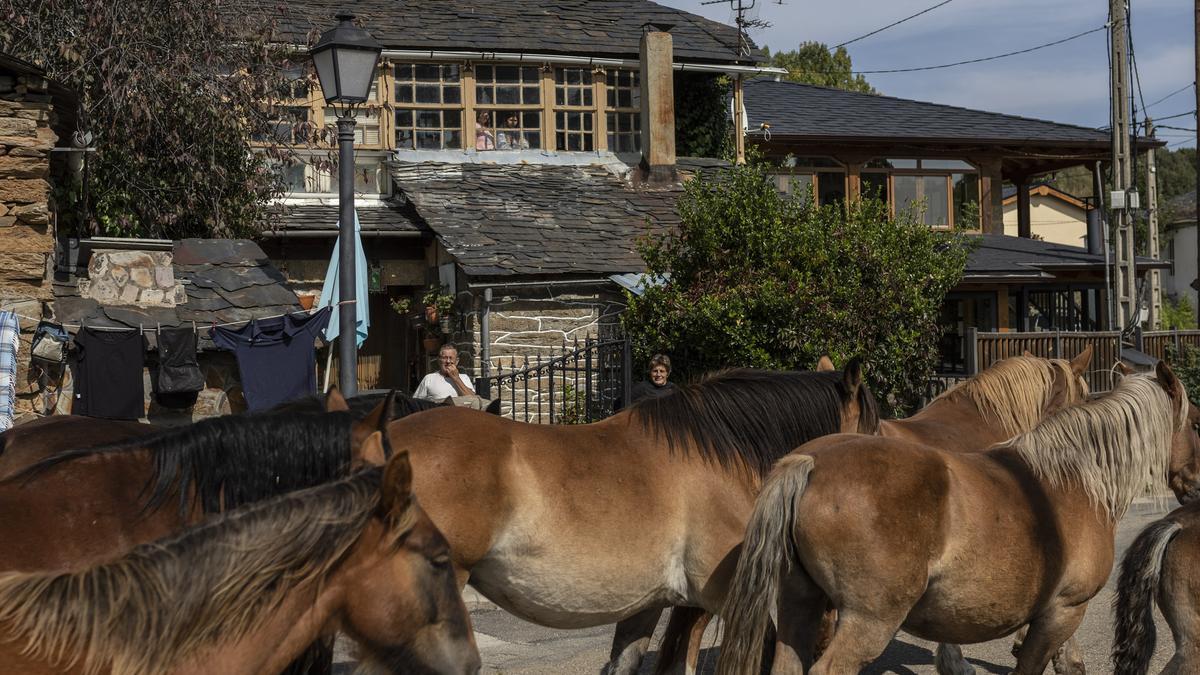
point(1069, 387)
point(1184, 473)
point(405, 610)
point(860, 413)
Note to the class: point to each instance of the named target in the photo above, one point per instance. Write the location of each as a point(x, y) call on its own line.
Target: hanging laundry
point(178, 368)
point(10, 337)
point(108, 373)
point(276, 357)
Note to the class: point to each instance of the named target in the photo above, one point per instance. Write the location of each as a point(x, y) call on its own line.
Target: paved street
point(509, 645)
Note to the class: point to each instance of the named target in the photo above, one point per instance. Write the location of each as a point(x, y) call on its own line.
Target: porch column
point(1024, 228)
point(991, 197)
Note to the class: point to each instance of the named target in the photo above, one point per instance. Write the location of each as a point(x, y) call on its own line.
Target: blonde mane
point(164, 601)
point(1012, 393)
point(1114, 448)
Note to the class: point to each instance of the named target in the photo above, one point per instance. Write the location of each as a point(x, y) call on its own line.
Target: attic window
point(623, 110)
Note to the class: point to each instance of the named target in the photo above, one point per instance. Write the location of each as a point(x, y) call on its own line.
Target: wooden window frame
point(584, 110)
point(395, 106)
point(617, 109)
point(951, 216)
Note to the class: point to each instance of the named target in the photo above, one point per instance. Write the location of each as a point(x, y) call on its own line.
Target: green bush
point(1178, 315)
point(760, 279)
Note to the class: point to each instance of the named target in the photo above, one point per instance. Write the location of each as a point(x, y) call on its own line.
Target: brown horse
point(1162, 564)
point(1007, 399)
point(246, 593)
point(23, 445)
point(957, 547)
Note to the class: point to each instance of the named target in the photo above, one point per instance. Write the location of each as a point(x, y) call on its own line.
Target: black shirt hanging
point(108, 373)
point(178, 369)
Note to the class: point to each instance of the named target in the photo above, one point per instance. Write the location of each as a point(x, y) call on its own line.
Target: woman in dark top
point(657, 385)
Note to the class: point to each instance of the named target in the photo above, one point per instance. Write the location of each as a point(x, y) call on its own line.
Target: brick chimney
point(658, 104)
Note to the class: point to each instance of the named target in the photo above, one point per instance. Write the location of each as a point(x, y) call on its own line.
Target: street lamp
point(346, 57)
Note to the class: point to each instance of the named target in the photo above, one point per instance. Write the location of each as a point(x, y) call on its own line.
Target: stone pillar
point(658, 104)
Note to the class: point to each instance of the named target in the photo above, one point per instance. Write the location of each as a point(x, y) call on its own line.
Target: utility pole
point(1152, 225)
point(1196, 89)
point(1125, 276)
point(741, 7)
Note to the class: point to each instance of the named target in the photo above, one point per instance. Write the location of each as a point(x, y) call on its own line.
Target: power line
point(1180, 90)
point(1166, 126)
point(1171, 117)
point(981, 60)
point(891, 25)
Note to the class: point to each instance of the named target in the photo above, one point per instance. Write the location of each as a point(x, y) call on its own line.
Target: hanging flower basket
point(431, 343)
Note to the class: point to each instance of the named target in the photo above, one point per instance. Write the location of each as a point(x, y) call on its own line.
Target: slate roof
point(602, 28)
point(499, 220)
point(807, 111)
point(1019, 259)
point(226, 280)
point(319, 217)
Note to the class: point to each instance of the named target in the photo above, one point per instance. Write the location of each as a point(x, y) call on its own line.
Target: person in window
point(657, 386)
point(511, 138)
point(447, 381)
point(484, 140)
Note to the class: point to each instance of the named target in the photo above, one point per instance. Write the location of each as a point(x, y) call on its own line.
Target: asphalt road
point(509, 645)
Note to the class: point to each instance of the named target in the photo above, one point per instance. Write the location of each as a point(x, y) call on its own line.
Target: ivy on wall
point(702, 126)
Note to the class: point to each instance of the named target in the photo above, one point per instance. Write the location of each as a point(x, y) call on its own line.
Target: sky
point(1066, 83)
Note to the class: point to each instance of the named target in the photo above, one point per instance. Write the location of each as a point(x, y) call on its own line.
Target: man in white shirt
point(447, 381)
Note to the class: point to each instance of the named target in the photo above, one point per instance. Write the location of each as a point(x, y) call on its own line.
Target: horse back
point(24, 445)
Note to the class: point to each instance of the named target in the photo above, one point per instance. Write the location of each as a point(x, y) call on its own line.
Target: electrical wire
point(1167, 126)
point(1180, 90)
point(891, 25)
point(981, 60)
point(1171, 117)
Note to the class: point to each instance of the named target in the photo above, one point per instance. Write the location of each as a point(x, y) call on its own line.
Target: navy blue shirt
point(276, 357)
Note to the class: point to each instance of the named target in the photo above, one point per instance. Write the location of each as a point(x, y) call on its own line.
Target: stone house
point(512, 154)
point(35, 113)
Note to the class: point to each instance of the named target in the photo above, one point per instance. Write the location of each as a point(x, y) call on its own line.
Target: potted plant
point(400, 305)
point(445, 306)
point(432, 342)
point(430, 300)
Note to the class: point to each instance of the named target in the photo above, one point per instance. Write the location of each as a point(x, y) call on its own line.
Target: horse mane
point(1012, 393)
point(164, 601)
point(753, 417)
point(402, 404)
point(1114, 448)
point(233, 460)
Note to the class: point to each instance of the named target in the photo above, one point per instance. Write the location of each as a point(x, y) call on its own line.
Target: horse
point(576, 526)
point(246, 592)
point(1161, 565)
point(1005, 400)
point(895, 535)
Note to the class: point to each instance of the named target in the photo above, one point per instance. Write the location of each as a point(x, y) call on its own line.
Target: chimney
point(658, 104)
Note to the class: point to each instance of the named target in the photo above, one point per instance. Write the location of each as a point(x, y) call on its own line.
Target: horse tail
point(768, 552)
point(1133, 644)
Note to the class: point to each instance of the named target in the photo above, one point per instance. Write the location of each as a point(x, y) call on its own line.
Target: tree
point(813, 63)
point(760, 279)
point(172, 92)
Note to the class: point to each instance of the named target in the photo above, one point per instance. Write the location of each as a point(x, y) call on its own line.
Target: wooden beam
point(1024, 227)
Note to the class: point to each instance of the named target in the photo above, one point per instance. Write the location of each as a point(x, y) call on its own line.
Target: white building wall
point(1180, 250)
point(1051, 219)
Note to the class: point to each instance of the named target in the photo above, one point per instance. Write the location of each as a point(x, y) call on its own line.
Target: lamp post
point(346, 58)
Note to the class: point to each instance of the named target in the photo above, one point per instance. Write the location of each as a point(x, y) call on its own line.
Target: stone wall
point(143, 278)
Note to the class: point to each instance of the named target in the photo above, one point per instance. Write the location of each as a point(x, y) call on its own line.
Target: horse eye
point(442, 560)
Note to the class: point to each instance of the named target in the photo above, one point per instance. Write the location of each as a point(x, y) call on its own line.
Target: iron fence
point(586, 382)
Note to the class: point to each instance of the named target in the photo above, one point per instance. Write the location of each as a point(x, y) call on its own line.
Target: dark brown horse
point(245, 593)
point(1007, 399)
point(949, 546)
point(1162, 565)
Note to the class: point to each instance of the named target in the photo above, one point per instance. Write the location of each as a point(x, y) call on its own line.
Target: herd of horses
point(779, 501)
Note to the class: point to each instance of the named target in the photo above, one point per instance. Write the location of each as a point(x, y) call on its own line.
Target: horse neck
point(949, 424)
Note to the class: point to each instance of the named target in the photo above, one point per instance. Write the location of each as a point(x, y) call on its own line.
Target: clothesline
point(195, 327)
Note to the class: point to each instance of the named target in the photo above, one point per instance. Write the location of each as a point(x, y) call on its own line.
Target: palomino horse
point(575, 526)
point(1007, 399)
point(244, 594)
point(961, 547)
point(1162, 564)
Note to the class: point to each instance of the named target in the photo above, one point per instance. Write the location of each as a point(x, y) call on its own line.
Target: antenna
point(740, 7)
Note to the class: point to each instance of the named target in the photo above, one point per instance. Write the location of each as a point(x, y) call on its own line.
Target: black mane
point(753, 417)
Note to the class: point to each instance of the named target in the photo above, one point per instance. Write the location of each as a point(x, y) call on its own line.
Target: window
point(509, 108)
point(574, 109)
point(366, 128)
point(368, 177)
point(948, 189)
point(292, 174)
point(296, 85)
point(623, 110)
point(288, 125)
point(429, 112)
point(822, 176)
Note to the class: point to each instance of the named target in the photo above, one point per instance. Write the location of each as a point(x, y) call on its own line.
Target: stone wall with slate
point(143, 278)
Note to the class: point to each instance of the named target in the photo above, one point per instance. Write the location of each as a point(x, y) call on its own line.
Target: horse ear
point(852, 375)
point(397, 483)
point(334, 401)
point(370, 452)
point(825, 364)
point(1125, 370)
point(1080, 363)
point(1028, 353)
point(1166, 377)
point(376, 420)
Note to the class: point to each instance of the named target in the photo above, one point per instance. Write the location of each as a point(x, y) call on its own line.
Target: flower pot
point(444, 325)
point(307, 301)
point(431, 344)
point(431, 314)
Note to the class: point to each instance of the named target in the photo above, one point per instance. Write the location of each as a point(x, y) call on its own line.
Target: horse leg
point(631, 642)
point(1046, 635)
point(1068, 660)
point(679, 648)
point(858, 640)
point(799, 630)
point(948, 660)
point(695, 642)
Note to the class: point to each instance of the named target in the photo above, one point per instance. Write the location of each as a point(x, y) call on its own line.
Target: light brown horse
point(1007, 399)
point(576, 526)
point(956, 547)
point(246, 593)
point(1163, 565)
